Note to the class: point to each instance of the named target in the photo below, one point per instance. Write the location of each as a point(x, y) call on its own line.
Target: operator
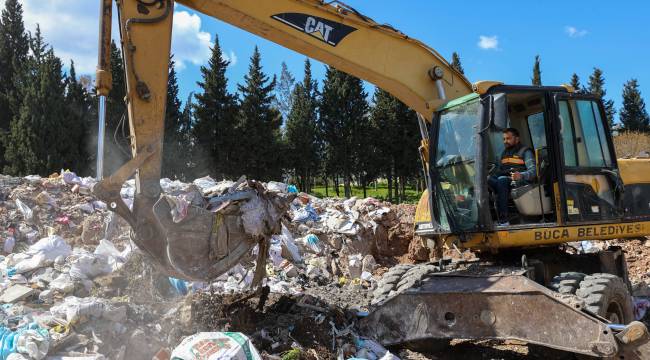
point(516, 167)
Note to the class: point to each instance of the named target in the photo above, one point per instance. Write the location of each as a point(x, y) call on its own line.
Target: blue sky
point(570, 36)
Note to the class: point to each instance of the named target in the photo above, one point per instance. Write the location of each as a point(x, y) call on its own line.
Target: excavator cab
point(577, 180)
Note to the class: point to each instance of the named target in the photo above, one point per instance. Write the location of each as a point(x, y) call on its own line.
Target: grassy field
point(380, 193)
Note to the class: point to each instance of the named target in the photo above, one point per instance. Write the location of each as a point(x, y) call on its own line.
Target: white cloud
point(231, 57)
point(71, 27)
point(574, 32)
point(68, 27)
point(488, 42)
point(189, 43)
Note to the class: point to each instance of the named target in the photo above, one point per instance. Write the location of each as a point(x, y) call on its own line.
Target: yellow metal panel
point(482, 87)
point(423, 211)
point(634, 171)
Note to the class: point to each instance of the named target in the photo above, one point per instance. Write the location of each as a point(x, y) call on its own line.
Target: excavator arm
point(329, 32)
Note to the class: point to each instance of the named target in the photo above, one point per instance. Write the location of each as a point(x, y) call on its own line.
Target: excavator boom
point(334, 34)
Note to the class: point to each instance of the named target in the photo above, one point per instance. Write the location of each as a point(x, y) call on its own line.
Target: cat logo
point(327, 31)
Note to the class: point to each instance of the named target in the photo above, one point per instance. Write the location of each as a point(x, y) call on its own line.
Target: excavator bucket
point(208, 239)
point(206, 244)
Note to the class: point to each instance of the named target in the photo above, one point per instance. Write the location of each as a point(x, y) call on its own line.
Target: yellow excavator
point(532, 282)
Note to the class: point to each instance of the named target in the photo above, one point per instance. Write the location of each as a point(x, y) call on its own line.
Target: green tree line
point(270, 128)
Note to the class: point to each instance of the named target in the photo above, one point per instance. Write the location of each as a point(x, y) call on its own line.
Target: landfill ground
point(75, 287)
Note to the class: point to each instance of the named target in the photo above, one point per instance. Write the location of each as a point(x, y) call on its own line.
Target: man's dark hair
point(511, 130)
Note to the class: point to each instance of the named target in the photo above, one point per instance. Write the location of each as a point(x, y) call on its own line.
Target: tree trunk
point(363, 185)
point(402, 193)
point(327, 193)
point(347, 186)
point(397, 195)
point(336, 185)
point(389, 178)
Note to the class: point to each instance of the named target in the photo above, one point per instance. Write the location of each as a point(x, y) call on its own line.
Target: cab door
point(589, 182)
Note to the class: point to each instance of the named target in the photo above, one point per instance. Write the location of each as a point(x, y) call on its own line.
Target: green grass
point(380, 193)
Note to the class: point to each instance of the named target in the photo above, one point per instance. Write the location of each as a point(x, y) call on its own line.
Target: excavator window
point(589, 191)
point(455, 163)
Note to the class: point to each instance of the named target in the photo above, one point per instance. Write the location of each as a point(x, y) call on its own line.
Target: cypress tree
point(396, 136)
point(597, 87)
point(455, 63)
point(259, 125)
point(284, 92)
point(537, 72)
point(215, 129)
point(40, 140)
point(174, 155)
point(344, 124)
point(634, 115)
point(79, 121)
point(575, 83)
point(14, 46)
point(302, 130)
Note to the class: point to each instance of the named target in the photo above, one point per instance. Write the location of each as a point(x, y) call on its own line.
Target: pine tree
point(344, 125)
point(215, 136)
point(14, 46)
point(42, 139)
point(284, 92)
point(302, 140)
point(575, 83)
point(597, 87)
point(174, 155)
point(537, 72)
point(455, 63)
point(79, 121)
point(259, 125)
point(634, 116)
point(395, 140)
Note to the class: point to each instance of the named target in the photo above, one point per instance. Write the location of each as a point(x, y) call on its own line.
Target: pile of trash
point(74, 285)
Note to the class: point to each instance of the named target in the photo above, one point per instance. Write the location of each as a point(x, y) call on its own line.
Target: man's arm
point(531, 167)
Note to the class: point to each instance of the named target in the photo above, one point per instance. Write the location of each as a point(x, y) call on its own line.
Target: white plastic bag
point(113, 256)
point(63, 283)
point(33, 343)
point(51, 247)
point(25, 210)
point(216, 346)
point(88, 266)
point(9, 244)
point(287, 242)
point(73, 308)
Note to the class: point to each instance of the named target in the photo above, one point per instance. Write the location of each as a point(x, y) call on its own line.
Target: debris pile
point(74, 285)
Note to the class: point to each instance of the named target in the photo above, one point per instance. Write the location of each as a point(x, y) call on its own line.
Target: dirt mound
point(277, 325)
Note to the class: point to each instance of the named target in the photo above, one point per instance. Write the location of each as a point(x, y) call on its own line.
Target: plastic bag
point(312, 242)
point(25, 210)
point(179, 285)
point(287, 242)
point(63, 283)
point(216, 346)
point(89, 266)
point(51, 247)
point(73, 308)
point(113, 256)
point(34, 343)
point(9, 244)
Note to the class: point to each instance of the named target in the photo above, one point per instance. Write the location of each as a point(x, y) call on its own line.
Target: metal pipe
point(441, 89)
point(616, 327)
point(100, 137)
